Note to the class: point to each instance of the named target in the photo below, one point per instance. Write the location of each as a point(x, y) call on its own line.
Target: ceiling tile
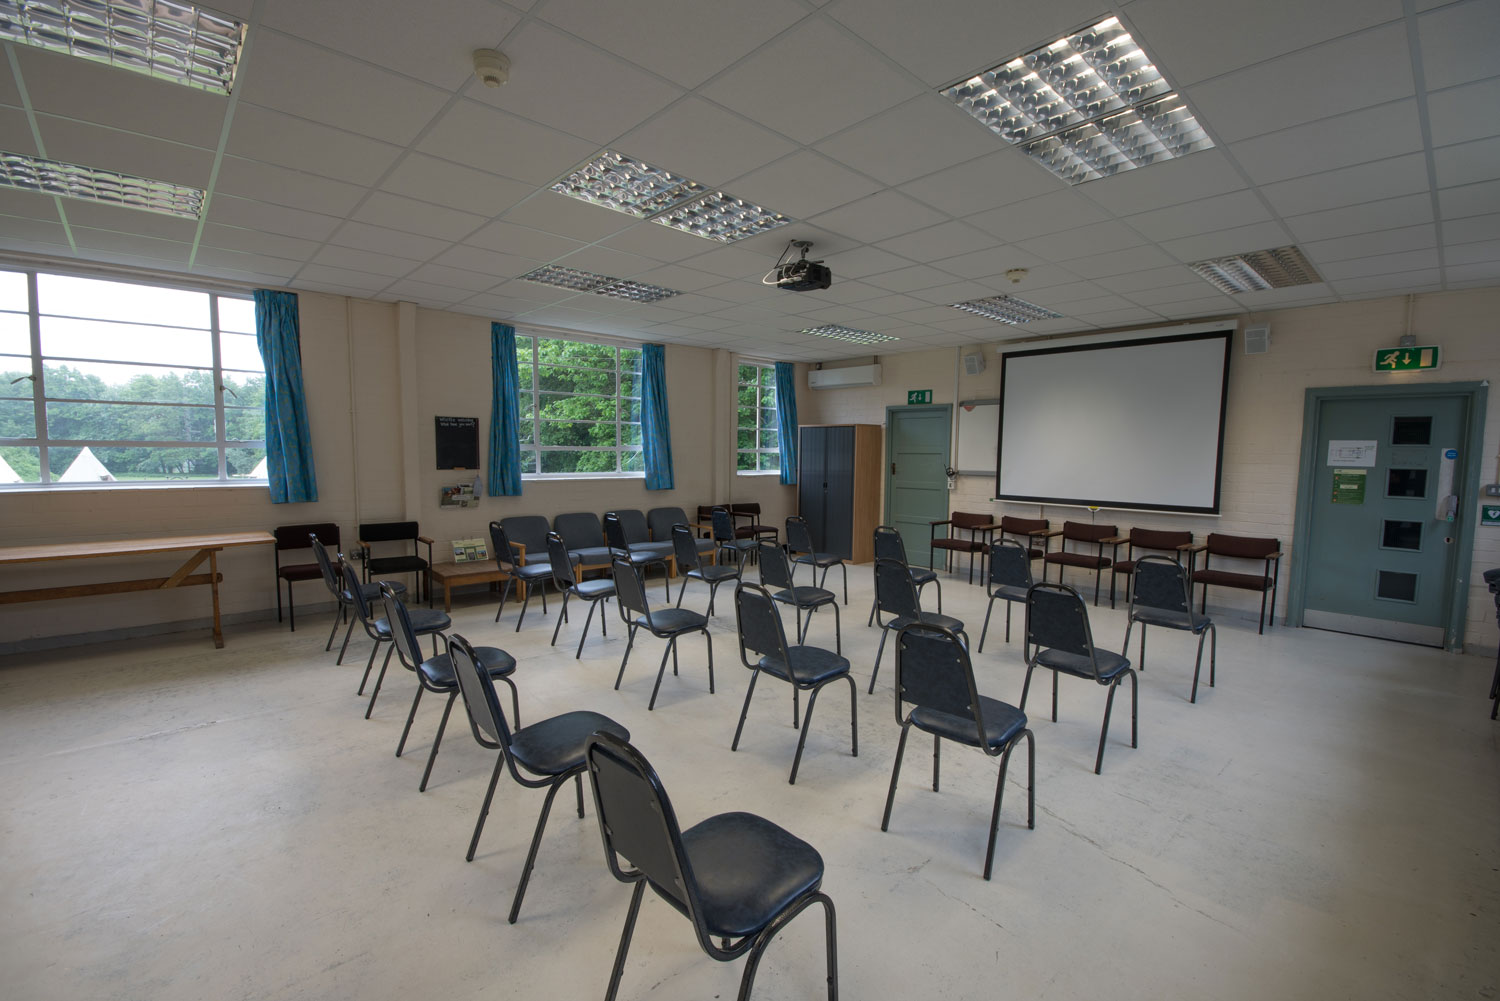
point(248, 214)
point(602, 261)
point(1464, 113)
point(473, 281)
point(1239, 240)
point(947, 239)
point(572, 86)
point(988, 262)
point(439, 53)
point(1046, 214)
point(1170, 182)
point(329, 275)
point(363, 260)
point(111, 149)
point(411, 216)
point(1422, 281)
point(1119, 262)
point(1364, 182)
point(1471, 229)
point(1380, 264)
point(486, 262)
point(249, 241)
point(1357, 137)
point(1466, 163)
point(1390, 213)
point(394, 242)
point(16, 129)
point(480, 136)
point(810, 83)
point(31, 205)
point(259, 134)
point(1471, 199)
point(261, 264)
point(1085, 241)
point(287, 74)
point(425, 293)
point(999, 178)
point(907, 279)
point(732, 262)
point(680, 278)
point(1365, 244)
point(446, 183)
point(803, 185)
point(1487, 272)
point(173, 251)
point(674, 140)
point(878, 217)
point(567, 217)
point(926, 134)
point(523, 241)
point(1238, 209)
point(660, 243)
point(102, 215)
point(1458, 43)
point(283, 186)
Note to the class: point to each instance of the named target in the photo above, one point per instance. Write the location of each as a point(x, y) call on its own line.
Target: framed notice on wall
point(457, 442)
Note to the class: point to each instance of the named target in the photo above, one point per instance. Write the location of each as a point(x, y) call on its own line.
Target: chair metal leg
point(348, 631)
point(291, 605)
point(586, 622)
point(1026, 687)
point(802, 739)
point(536, 841)
point(438, 740)
point(484, 809)
point(526, 601)
point(745, 709)
point(629, 642)
point(844, 568)
point(937, 760)
point(1198, 665)
point(335, 630)
point(661, 672)
point(578, 788)
point(763, 940)
point(681, 590)
point(885, 820)
point(504, 594)
point(986, 627)
point(853, 717)
point(1054, 696)
point(880, 652)
point(375, 694)
point(619, 967)
point(401, 744)
point(709, 640)
point(562, 615)
point(796, 712)
point(939, 585)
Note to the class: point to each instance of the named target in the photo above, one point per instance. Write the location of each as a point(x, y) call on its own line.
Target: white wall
point(1312, 346)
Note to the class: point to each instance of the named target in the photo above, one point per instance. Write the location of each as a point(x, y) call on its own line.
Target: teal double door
point(1380, 555)
point(916, 485)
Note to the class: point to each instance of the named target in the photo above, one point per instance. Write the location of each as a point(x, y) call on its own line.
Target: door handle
point(893, 469)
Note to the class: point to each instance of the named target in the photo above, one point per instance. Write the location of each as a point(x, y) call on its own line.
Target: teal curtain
point(505, 414)
point(289, 456)
point(656, 429)
point(786, 418)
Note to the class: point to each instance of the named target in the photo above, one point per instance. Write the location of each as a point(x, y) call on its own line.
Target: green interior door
point(916, 484)
point(1380, 551)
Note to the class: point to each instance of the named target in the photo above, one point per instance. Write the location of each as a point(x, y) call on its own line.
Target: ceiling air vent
point(1258, 270)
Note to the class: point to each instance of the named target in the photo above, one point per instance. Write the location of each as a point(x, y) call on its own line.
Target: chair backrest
point(1057, 619)
point(486, 717)
point(685, 548)
point(759, 624)
point(1010, 564)
point(888, 544)
point(630, 592)
point(296, 536)
point(1082, 531)
point(388, 531)
point(752, 508)
point(579, 529)
point(895, 594)
point(1011, 525)
point(614, 534)
point(661, 519)
point(530, 530)
point(774, 571)
point(933, 671)
point(798, 535)
point(969, 521)
point(1244, 547)
point(356, 595)
point(638, 824)
point(1156, 538)
point(561, 563)
point(633, 524)
point(401, 631)
point(500, 549)
point(1161, 583)
point(330, 575)
point(723, 525)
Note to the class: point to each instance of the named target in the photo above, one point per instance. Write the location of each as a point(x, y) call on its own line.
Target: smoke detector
point(1015, 275)
point(491, 66)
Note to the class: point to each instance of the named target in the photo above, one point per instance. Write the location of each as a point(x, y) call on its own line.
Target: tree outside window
point(580, 407)
point(758, 448)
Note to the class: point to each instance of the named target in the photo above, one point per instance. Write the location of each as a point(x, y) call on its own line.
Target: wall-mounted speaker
point(974, 363)
point(1257, 340)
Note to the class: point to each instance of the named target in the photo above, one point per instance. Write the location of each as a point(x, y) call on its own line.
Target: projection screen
point(1124, 424)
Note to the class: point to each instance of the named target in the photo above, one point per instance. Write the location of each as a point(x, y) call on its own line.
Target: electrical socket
point(1493, 490)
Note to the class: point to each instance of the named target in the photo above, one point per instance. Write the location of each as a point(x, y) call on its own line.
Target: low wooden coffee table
point(478, 572)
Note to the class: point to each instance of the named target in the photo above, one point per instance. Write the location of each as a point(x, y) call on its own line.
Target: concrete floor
point(185, 823)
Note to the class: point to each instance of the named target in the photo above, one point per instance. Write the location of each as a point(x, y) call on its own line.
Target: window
point(580, 407)
point(110, 381)
point(759, 445)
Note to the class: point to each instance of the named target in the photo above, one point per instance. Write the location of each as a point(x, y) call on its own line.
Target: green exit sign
point(1415, 359)
point(918, 396)
point(1489, 514)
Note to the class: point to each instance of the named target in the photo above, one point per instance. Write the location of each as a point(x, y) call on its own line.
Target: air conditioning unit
point(844, 378)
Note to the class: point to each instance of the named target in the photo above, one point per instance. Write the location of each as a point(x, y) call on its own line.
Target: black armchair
point(396, 532)
point(294, 538)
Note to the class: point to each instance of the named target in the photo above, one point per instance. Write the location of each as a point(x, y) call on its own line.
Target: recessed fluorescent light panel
point(71, 180)
point(170, 41)
point(849, 334)
point(721, 217)
point(1282, 267)
point(1089, 105)
point(587, 281)
point(1007, 309)
point(632, 186)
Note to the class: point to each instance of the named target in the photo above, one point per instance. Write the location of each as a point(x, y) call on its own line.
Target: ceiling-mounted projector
point(800, 275)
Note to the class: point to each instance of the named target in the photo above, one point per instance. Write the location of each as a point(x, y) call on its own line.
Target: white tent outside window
point(7, 474)
point(86, 469)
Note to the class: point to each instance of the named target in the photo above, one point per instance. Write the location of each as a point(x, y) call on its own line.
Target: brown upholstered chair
point(1175, 544)
point(1029, 532)
point(980, 530)
point(290, 538)
point(1090, 540)
point(752, 529)
point(1241, 547)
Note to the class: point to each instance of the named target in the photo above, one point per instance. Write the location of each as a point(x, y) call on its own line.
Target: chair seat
point(755, 531)
point(921, 575)
point(1084, 560)
point(1190, 621)
point(396, 564)
point(1002, 721)
point(808, 665)
point(639, 558)
point(805, 596)
point(819, 559)
point(748, 870)
point(714, 573)
point(928, 618)
point(705, 546)
point(742, 544)
point(555, 745)
point(667, 621)
point(1125, 566)
point(371, 591)
point(423, 621)
point(960, 545)
point(1009, 592)
point(300, 571)
point(534, 571)
point(1226, 578)
point(604, 587)
point(591, 556)
point(1110, 664)
point(656, 550)
point(437, 672)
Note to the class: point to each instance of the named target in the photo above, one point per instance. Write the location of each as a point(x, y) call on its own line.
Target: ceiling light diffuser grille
point(1007, 309)
point(721, 217)
point(1089, 105)
point(71, 180)
point(587, 281)
point(850, 334)
point(166, 40)
point(1281, 267)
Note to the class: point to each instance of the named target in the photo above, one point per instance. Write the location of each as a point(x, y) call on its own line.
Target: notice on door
point(1349, 452)
point(1349, 486)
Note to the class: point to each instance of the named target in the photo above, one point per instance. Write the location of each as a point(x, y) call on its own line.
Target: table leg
point(213, 582)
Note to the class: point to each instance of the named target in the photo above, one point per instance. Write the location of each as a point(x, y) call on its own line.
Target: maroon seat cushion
point(300, 571)
point(1226, 578)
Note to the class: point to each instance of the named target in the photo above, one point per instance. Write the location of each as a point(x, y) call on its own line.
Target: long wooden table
point(201, 547)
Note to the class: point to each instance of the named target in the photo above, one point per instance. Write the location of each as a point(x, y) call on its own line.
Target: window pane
point(747, 396)
point(241, 462)
point(527, 434)
point(630, 434)
point(746, 462)
point(528, 461)
point(13, 291)
point(245, 424)
point(746, 417)
point(768, 418)
point(768, 398)
point(63, 338)
point(123, 422)
point(770, 439)
point(25, 464)
point(630, 410)
point(577, 433)
point(72, 465)
point(575, 380)
point(579, 461)
point(746, 438)
point(632, 462)
point(240, 351)
point(630, 385)
point(60, 295)
point(237, 315)
point(524, 378)
point(17, 418)
point(523, 349)
point(145, 383)
point(244, 390)
point(15, 334)
point(577, 408)
point(630, 359)
point(576, 353)
point(768, 377)
point(748, 374)
point(770, 461)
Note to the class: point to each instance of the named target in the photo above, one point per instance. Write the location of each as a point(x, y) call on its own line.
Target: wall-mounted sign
point(1351, 452)
point(457, 442)
point(1414, 359)
point(1349, 486)
point(914, 396)
point(1489, 514)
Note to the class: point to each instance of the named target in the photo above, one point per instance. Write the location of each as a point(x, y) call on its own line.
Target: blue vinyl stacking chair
point(665, 623)
point(799, 544)
point(531, 570)
point(775, 573)
point(889, 546)
point(1161, 595)
point(565, 579)
point(690, 566)
point(1010, 579)
point(897, 595)
point(333, 578)
point(424, 622)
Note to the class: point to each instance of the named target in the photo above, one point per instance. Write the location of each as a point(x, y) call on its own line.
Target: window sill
point(757, 472)
point(553, 477)
point(39, 488)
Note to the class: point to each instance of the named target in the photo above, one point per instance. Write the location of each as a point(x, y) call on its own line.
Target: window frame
point(44, 441)
point(620, 448)
point(765, 379)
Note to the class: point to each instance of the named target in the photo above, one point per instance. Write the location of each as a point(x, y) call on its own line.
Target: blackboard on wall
point(457, 442)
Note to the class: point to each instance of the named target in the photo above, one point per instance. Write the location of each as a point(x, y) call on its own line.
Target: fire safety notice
point(1349, 486)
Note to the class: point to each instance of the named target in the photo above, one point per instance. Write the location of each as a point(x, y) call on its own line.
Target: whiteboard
point(1124, 424)
point(978, 436)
